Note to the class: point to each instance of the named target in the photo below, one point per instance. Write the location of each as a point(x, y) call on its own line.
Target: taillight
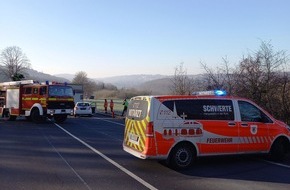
point(150, 130)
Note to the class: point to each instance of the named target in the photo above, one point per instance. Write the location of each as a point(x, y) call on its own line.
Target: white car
point(83, 108)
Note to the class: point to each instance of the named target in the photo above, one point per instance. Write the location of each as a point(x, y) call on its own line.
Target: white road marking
point(74, 171)
point(277, 164)
point(109, 120)
point(131, 174)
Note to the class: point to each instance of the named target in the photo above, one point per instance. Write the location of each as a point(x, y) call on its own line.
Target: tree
point(14, 62)
point(221, 78)
point(261, 76)
point(181, 83)
point(88, 85)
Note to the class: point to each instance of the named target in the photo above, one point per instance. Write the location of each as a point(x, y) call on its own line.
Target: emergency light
point(220, 92)
point(211, 92)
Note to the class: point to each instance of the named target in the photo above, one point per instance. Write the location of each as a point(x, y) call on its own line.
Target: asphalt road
point(86, 153)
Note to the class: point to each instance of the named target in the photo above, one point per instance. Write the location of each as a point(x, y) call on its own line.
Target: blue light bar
point(211, 92)
point(220, 92)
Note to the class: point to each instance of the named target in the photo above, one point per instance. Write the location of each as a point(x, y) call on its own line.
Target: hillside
point(156, 87)
point(156, 84)
point(123, 81)
point(32, 74)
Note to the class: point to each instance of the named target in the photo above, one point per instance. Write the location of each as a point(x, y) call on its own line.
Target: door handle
point(244, 124)
point(232, 124)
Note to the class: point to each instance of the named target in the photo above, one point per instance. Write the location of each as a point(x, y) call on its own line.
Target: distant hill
point(31, 74)
point(156, 87)
point(130, 81)
point(124, 81)
point(155, 84)
point(66, 76)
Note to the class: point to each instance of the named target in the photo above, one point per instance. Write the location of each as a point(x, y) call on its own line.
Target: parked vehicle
point(83, 108)
point(35, 100)
point(180, 128)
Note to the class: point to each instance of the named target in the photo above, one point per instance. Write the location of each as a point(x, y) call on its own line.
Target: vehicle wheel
point(181, 157)
point(12, 117)
point(278, 150)
point(59, 118)
point(9, 117)
point(35, 116)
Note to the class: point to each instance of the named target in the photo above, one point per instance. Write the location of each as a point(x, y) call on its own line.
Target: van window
point(137, 109)
point(251, 113)
point(205, 109)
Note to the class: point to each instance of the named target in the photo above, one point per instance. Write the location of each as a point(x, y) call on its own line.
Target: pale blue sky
point(123, 37)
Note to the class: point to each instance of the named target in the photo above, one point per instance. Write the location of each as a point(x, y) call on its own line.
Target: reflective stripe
point(255, 140)
point(61, 99)
point(26, 99)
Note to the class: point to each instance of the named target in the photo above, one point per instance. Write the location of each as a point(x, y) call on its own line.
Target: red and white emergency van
point(181, 128)
point(36, 101)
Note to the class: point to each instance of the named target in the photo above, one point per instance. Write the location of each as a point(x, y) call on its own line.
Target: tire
point(59, 118)
point(12, 117)
point(9, 117)
point(35, 116)
point(278, 150)
point(182, 156)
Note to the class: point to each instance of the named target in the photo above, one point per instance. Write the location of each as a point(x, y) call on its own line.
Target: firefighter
point(105, 105)
point(125, 103)
point(112, 106)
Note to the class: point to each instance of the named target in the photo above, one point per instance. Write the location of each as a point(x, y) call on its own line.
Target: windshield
point(60, 91)
point(137, 109)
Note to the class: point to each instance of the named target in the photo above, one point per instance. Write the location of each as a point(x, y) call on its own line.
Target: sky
point(124, 37)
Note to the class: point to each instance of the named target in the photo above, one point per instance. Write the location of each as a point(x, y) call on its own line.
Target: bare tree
point(220, 78)
point(14, 62)
point(261, 76)
point(89, 85)
point(181, 83)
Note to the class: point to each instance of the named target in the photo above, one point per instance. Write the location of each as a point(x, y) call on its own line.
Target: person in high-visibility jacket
point(112, 106)
point(105, 105)
point(125, 103)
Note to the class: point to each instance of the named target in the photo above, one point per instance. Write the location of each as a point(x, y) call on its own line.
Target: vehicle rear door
point(136, 125)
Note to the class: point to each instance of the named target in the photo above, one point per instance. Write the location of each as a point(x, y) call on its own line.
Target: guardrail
point(98, 105)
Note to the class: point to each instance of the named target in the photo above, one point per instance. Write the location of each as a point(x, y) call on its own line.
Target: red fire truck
point(36, 101)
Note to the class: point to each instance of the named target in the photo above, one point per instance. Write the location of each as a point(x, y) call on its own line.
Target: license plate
point(133, 138)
